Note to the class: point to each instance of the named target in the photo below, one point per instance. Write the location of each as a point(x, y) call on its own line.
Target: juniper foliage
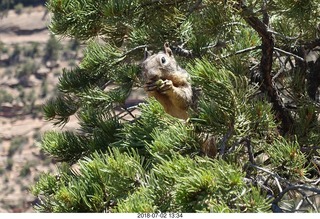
point(256, 63)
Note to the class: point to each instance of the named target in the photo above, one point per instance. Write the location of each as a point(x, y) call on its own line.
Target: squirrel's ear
point(146, 53)
point(167, 49)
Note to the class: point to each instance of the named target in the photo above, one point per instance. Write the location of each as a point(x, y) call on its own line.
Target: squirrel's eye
point(163, 60)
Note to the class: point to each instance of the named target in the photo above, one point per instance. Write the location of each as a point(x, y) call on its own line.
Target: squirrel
point(168, 83)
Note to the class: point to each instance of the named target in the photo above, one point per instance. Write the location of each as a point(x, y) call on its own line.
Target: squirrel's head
point(160, 65)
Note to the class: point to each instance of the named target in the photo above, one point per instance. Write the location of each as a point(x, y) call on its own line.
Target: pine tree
point(256, 63)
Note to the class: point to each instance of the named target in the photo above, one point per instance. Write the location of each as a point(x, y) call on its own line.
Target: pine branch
point(132, 50)
point(266, 64)
point(297, 188)
point(60, 108)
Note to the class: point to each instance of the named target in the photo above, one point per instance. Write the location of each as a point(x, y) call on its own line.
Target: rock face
point(21, 99)
point(10, 110)
point(30, 26)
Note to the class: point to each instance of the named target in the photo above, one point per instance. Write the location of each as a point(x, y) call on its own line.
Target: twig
point(132, 50)
point(311, 203)
point(233, 24)
point(126, 111)
point(283, 36)
point(181, 51)
point(289, 53)
point(265, 15)
point(269, 172)
point(317, 182)
point(244, 191)
point(120, 58)
point(299, 204)
point(249, 148)
point(194, 7)
point(224, 141)
point(310, 148)
point(129, 112)
point(278, 184)
point(306, 197)
point(106, 84)
point(291, 63)
point(281, 69)
point(242, 51)
point(312, 195)
point(149, 3)
point(220, 44)
point(295, 187)
point(262, 183)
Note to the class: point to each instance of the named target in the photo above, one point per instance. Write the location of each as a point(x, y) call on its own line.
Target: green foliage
point(139, 201)
point(32, 50)
point(15, 56)
point(3, 48)
point(74, 45)
point(5, 97)
point(66, 146)
point(16, 144)
point(52, 49)
point(287, 157)
point(18, 8)
point(153, 162)
point(25, 171)
point(94, 19)
point(177, 137)
point(201, 185)
point(28, 68)
point(111, 173)
point(60, 108)
point(44, 88)
point(9, 163)
point(227, 105)
point(217, 111)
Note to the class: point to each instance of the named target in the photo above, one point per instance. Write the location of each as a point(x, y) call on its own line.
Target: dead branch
point(295, 187)
point(289, 54)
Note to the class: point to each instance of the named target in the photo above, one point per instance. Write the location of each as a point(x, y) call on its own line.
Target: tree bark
point(267, 46)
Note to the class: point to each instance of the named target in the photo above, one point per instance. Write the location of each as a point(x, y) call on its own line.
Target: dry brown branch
point(266, 62)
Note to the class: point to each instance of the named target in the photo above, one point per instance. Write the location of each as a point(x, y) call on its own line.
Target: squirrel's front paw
point(153, 85)
point(165, 86)
point(161, 86)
